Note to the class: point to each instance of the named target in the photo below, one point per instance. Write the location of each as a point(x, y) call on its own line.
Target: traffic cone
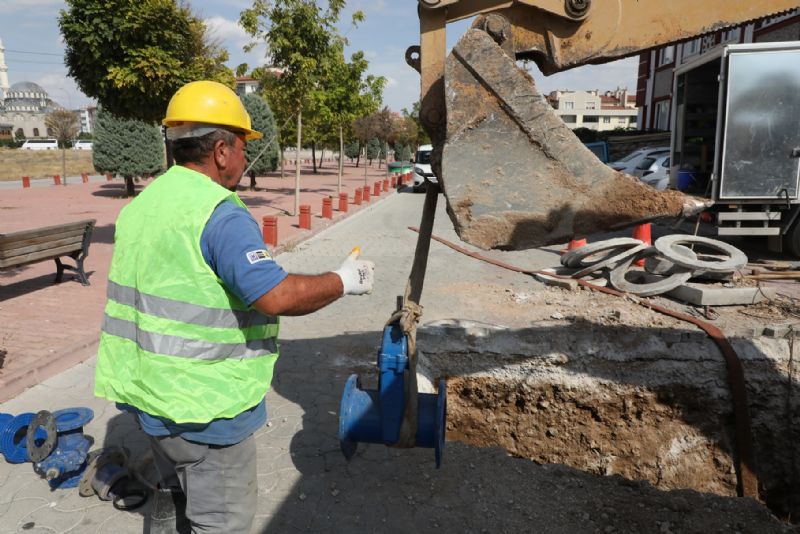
point(642, 233)
point(573, 244)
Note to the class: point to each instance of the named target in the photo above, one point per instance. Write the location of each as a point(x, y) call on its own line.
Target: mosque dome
point(28, 96)
point(29, 87)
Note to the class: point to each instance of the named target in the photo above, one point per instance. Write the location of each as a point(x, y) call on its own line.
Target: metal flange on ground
point(376, 416)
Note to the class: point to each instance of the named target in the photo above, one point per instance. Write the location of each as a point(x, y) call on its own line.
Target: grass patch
point(15, 163)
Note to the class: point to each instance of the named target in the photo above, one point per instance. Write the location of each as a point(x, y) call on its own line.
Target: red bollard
point(327, 208)
point(376, 190)
point(357, 197)
point(385, 184)
point(343, 202)
point(269, 229)
point(393, 183)
point(366, 193)
point(85, 177)
point(57, 179)
point(26, 181)
point(305, 217)
point(109, 177)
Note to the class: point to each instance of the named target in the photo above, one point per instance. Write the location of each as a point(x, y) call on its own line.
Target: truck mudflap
point(514, 175)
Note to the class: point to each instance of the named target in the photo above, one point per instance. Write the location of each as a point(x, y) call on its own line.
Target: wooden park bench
point(49, 243)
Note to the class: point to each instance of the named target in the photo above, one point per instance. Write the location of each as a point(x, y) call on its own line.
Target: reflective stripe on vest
point(185, 312)
point(187, 348)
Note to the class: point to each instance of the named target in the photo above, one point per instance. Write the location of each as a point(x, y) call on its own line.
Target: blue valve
point(55, 443)
point(65, 462)
point(375, 416)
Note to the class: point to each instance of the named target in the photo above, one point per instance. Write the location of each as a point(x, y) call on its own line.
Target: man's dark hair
point(196, 149)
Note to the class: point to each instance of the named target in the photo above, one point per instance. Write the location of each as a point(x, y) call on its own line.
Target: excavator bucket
point(514, 175)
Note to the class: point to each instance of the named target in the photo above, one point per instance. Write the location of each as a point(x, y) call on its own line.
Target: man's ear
point(221, 153)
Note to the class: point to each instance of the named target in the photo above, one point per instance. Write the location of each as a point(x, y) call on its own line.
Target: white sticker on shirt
point(255, 256)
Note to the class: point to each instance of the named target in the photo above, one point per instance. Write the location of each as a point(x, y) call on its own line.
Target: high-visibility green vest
point(175, 342)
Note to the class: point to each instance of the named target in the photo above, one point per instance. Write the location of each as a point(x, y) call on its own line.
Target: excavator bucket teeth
point(514, 175)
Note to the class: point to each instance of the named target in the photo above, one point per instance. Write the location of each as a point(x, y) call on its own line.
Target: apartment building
point(595, 110)
point(657, 67)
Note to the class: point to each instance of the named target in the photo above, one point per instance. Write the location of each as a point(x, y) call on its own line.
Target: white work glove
point(357, 275)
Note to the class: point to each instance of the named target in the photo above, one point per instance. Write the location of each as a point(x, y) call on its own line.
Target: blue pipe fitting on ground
point(375, 416)
point(13, 436)
point(55, 443)
point(63, 466)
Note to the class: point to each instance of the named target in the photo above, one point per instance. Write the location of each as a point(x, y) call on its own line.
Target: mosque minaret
point(3, 73)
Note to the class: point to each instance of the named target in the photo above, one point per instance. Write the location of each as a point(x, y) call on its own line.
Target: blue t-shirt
point(228, 243)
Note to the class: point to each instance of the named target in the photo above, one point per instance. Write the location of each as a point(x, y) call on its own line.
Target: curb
point(16, 383)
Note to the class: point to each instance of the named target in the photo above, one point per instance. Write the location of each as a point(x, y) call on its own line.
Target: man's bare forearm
point(300, 294)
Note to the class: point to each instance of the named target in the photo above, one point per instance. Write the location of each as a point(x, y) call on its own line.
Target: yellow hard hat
point(207, 102)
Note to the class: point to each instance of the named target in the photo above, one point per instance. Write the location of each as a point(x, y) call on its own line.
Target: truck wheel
point(791, 240)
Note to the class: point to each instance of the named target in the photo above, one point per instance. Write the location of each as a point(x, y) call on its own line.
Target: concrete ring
point(666, 247)
point(611, 261)
point(618, 280)
point(575, 257)
point(663, 267)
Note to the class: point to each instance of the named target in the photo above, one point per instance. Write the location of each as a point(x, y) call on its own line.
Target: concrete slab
point(701, 295)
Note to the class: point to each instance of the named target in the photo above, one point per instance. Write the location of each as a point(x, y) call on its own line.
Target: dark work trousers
point(219, 483)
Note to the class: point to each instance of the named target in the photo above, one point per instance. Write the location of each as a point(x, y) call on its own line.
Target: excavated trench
point(644, 403)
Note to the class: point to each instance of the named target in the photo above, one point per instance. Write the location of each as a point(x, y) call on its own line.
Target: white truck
point(736, 139)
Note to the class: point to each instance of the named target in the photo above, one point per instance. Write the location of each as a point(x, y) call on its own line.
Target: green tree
point(63, 125)
point(353, 150)
point(403, 152)
point(133, 55)
point(349, 94)
point(385, 129)
point(128, 147)
point(262, 155)
point(364, 130)
point(374, 149)
point(298, 34)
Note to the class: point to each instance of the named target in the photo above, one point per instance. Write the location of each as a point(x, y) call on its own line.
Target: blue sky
point(34, 50)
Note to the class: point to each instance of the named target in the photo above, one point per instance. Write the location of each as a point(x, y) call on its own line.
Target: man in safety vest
point(189, 337)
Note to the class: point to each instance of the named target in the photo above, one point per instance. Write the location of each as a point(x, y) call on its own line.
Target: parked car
point(422, 168)
point(632, 160)
point(39, 144)
point(599, 149)
point(82, 145)
point(654, 171)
